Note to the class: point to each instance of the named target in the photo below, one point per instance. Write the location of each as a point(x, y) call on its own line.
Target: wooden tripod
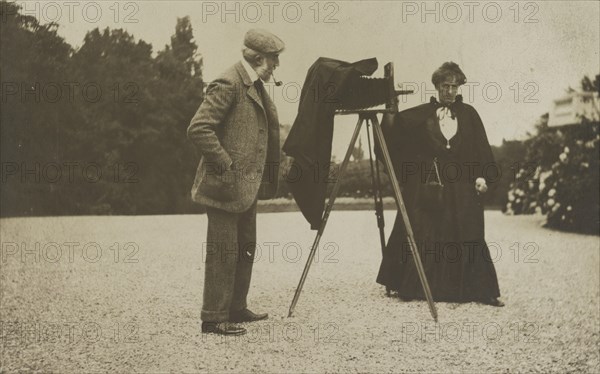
point(369, 117)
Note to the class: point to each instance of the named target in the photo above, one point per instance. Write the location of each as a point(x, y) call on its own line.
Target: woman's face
point(448, 89)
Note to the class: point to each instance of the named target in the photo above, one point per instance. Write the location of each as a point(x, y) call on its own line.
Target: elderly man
point(236, 131)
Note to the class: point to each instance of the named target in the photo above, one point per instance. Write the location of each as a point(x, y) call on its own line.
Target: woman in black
point(443, 141)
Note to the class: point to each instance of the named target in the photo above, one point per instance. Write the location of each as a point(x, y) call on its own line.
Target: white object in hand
point(480, 185)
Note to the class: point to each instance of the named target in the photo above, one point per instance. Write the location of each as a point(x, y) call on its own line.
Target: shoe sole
point(222, 334)
point(246, 321)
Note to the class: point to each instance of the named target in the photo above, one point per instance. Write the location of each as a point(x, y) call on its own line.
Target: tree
point(126, 116)
point(588, 85)
point(34, 109)
point(357, 153)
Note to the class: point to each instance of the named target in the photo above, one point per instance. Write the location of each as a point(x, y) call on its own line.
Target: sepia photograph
point(367, 186)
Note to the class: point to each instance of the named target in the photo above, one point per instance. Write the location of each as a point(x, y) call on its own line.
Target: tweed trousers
point(230, 248)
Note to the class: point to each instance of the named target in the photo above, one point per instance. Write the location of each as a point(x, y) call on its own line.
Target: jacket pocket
point(219, 187)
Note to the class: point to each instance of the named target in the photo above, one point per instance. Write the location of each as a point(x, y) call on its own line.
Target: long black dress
point(450, 238)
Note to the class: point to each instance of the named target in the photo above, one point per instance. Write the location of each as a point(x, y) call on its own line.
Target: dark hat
point(263, 41)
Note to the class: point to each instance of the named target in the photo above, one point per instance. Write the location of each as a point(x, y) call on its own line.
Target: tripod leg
point(376, 183)
point(402, 208)
point(328, 208)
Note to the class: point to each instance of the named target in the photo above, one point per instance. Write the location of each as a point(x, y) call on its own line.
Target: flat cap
point(263, 41)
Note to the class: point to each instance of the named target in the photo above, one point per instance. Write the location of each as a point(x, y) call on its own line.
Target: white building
point(569, 109)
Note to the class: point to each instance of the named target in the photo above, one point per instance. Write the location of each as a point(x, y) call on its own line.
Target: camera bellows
point(364, 92)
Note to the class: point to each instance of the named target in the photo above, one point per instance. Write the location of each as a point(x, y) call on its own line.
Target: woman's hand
point(480, 185)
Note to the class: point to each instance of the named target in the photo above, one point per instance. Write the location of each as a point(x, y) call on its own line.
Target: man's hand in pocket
point(220, 186)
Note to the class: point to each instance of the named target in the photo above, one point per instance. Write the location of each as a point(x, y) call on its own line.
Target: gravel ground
point(130, 302)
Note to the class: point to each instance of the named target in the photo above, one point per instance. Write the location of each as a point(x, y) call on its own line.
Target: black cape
point(451, 238)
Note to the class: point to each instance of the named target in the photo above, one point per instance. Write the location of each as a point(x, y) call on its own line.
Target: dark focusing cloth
point(309, 140)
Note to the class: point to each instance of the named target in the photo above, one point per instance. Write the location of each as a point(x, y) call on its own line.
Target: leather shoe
point(222, 328)
point(493, 301)
point(246, 315)
point(405, 298)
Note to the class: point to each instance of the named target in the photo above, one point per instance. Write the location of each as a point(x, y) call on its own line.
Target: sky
point(518, 56)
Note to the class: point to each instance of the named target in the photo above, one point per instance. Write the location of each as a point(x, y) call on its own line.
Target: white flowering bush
point(560, 179)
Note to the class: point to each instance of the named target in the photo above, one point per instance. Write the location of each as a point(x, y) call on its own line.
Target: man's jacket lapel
point(251, 89)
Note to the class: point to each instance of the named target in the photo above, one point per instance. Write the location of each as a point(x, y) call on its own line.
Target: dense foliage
point(559, 177)
point(96, 130)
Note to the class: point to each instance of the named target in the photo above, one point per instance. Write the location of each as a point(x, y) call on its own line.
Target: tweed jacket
point(237, 136)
